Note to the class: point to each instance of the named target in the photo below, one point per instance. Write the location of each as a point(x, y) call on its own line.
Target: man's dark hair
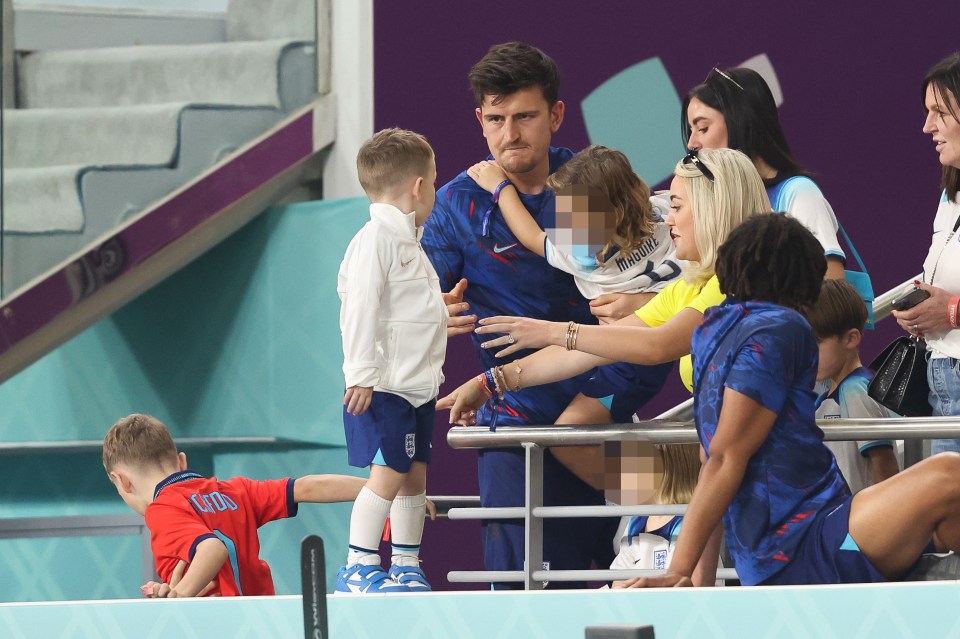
point(512, 66)
point(772, 258)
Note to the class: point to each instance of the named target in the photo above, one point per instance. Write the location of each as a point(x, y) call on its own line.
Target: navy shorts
point(827, 554)
point(390, 433)
point(624, 388)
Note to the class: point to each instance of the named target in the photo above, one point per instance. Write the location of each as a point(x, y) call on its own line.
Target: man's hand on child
point(458, 324)
point(357, 399)
point(487, 174)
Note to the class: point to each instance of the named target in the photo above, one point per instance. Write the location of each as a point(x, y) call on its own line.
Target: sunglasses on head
point(725, 75)
point(692, 158)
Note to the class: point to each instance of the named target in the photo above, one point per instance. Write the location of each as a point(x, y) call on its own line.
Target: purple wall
point(849, 72)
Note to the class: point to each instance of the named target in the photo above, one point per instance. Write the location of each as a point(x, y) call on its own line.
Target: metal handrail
point(672, 432)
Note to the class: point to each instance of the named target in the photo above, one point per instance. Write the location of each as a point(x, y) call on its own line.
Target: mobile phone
point(909, 299)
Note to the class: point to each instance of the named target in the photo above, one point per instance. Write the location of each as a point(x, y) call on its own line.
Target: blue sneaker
point(411, 577)
point(366, 578)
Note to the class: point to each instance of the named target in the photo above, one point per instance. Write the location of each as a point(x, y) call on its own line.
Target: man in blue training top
point(516, 89)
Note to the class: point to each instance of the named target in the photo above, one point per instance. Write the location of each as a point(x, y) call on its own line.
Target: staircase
point(115, 157)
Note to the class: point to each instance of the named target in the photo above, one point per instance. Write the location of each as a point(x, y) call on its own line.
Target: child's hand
point(463, 403)
point(487, 174)
point(159, 590)
point(431, 510)
point(357, 399)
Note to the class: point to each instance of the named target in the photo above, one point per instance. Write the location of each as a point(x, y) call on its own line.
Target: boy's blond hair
point(138, 440)
point(390, 158)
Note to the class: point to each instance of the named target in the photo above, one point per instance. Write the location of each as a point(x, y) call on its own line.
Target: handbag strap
point(856, 256)
point(936, 264)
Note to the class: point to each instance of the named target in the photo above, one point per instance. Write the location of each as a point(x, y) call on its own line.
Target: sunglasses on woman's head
point(692, 158)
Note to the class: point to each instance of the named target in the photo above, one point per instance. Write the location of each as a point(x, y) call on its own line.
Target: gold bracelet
point(573, 329)
point(516, 387)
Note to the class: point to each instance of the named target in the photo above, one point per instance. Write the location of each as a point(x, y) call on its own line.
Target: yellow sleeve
point(664, 304)
point(673, 299)
point(708, 296)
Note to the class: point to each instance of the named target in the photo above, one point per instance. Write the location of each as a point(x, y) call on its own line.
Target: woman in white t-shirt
point(935, 318)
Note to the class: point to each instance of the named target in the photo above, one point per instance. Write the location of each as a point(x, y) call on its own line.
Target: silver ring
point(916, 328)
point(510, 339)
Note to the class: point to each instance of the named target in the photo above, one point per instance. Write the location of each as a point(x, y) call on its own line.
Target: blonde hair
point(391, 157)
point(625, 194)
point(736, 193)
point(681, 468)
point(140, 441)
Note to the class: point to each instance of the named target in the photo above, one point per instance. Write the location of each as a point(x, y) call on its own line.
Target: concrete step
point(236, 73)
point(52, 212)
point(135, 135)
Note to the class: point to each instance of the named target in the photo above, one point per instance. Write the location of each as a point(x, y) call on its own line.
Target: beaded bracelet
point(499, 381)
point(482, 378)
point(500, 187)
point(952, 310)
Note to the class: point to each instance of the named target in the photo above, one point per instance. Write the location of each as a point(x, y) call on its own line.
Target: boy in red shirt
point(207, 524)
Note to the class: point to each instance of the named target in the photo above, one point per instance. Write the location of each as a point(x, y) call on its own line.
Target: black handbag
point(901, 380)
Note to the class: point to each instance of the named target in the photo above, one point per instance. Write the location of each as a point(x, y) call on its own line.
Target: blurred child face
point(427, 193)
point(632, 472)
point(584, 221)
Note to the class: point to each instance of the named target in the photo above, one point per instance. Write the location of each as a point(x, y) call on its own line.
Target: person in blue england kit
point(787, 513)
point(516, 88)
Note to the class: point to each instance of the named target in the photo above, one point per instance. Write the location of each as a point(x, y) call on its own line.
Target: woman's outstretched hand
point(521, 333)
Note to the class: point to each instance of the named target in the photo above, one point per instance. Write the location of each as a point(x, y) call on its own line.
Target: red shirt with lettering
point(188, 508)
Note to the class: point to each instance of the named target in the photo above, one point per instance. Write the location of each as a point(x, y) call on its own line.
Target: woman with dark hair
point(935, 318)
point(786, 511)
point(735, 109)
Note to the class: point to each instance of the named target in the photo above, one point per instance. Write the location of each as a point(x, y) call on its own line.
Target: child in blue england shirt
point(837, 319)
point(787, 513)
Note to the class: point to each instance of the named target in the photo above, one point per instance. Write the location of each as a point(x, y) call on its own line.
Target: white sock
point(366, 527)
point(406, 528)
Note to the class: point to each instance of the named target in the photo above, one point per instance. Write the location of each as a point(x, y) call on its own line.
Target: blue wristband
point(500, 187)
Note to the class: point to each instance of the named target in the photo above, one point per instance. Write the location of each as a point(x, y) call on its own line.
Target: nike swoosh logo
point(406, 264)
point(501, 249)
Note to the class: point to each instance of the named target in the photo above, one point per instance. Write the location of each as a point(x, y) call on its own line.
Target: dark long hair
point(750, 113)
point(945, 78)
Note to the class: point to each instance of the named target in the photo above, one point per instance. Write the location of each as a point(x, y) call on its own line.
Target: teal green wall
point(244, 341)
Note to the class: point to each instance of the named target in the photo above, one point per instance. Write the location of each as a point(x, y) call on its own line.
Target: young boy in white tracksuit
point(393, 320)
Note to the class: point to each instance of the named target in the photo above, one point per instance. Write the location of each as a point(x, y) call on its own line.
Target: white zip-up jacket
point(392, 316)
